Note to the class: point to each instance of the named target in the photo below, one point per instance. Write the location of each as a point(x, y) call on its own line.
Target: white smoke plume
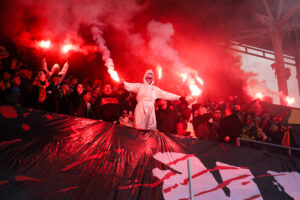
point(159, 44)
point(106, 56)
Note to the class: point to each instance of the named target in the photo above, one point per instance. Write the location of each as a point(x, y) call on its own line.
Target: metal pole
point(190, 180)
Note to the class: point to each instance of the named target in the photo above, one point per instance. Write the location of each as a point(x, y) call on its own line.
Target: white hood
point(149, 71)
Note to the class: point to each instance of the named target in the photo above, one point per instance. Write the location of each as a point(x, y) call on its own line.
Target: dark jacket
point(166, 120)
point(230, 126)
point(106, 108)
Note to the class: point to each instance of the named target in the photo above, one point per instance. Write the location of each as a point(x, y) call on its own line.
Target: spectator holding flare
point(147, 93)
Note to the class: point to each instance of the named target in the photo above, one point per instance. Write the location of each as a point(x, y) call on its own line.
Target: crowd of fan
point(221, 119)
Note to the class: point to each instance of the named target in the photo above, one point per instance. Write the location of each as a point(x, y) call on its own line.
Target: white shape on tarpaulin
point(173, 187)
point(240, 188)
point(289, 181)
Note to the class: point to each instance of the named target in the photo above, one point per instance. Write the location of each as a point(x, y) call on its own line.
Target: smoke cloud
point(131, 36)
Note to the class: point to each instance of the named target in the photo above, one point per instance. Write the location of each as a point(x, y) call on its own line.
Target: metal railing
point(266, 144)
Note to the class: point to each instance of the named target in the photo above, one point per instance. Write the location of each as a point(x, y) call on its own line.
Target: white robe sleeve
point(166, 95)
point(64, 70)
point(132, 87)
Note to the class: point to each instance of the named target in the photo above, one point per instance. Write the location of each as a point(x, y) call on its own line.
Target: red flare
point(195, 90)
point(114, 75)
point(159, 70)
point(199, 80)
point(45, 44)
point(290, 100)
point(184, 77)
point(259, 95)
point(66, 48)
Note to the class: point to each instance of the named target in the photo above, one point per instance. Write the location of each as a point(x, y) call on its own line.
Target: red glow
point(66, 48)
point(199, 80)
point(159, 70)
point(259, 95)
point(45, 44)
point(195, 90)
point(113, 74)
point(290, 100)
point(184, 77)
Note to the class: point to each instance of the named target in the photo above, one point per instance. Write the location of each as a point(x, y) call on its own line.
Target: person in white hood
point(146, 94)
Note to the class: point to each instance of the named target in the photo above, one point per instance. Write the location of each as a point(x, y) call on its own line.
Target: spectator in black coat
point(26, 86)
point(63, 99)
point(76, 100)
point(230, 126)
point(12, 94)
point(51, 100)
point(166, 119)
point(107, 106)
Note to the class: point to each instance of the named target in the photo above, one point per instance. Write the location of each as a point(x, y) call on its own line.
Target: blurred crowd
point(54, 90)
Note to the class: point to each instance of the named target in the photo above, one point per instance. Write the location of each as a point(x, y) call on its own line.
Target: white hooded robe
point(146, 94)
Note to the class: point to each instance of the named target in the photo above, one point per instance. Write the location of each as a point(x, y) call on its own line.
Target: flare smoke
point(108, 62)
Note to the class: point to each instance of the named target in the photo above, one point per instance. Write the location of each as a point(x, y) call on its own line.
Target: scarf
point(42, 90)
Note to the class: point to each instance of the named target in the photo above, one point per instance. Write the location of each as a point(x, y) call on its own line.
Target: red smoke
point(138, 35)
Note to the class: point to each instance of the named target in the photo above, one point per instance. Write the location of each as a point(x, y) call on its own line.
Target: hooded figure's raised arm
point(166, 95)
point(132, 87)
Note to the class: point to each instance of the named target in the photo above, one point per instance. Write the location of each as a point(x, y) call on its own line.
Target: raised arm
point(132, 87)
point(64, 70)
point(44, 65)
point(167, 95)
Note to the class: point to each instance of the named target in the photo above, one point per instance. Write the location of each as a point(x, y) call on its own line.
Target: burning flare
point(290, 100)
point(184, 77)
point(45, 44)
point(259, 95)
point(199, 80)
point(114, 75)
point(195, 90)
point(66, 48)
point(108, 62)
point(159, 70)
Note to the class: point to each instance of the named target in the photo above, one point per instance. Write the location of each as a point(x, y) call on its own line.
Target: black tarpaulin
point(52, 156)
